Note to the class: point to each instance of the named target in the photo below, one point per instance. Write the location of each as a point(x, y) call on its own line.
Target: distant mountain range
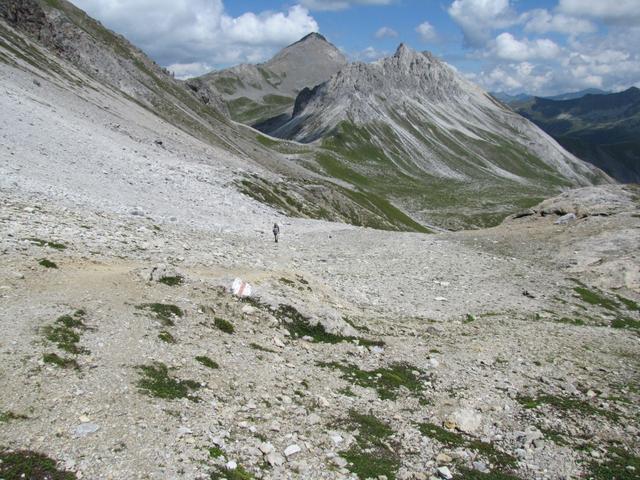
point(403, 143)
point(602, 129)
point(523, 97)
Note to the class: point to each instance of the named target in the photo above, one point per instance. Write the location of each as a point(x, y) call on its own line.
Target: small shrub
point(166, 337)
point(216, 452)
point(57, 360)
point(45, 243)
point(47, 263)
point(223, 325)
point(6, 417)
point(172, 281)
point(207, 362)
point(225, 473)
point(165, 313)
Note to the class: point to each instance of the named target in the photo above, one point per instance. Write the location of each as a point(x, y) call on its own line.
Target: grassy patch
point(452, 439)
point(224, 325)
point(386, 381)
point(299, 326)
point(207, 362)
point(370, 456)
point(47, 263)
point(630, 304)
point(615, 466)
point(46, 243)
point(25, 464)
point(166, 337)
point(6, 417)
point(156, 382)
point(215, 452)
point(58, 361)
point(172, 281)
point(571, 321)
point(64, 332)
point(626, 323)
point(566, 404)
point(594, 297)
point(227, 474)
point(165, 313)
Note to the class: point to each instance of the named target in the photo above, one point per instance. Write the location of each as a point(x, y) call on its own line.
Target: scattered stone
point(291, 450)
point(85, 429)
point(445, 473)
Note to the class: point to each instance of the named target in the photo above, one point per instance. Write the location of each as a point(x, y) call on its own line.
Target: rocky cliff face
point(256, 93)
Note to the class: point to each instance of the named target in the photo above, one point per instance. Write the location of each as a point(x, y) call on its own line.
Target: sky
point(541, 47)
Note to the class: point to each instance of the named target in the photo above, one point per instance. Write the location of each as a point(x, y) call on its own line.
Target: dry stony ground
point(472, 374)
point(476, 353)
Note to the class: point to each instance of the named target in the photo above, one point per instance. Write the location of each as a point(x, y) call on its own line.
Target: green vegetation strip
point(207, 362)
point(25, 464)
point(566, 404)
point(46, 243)
point(224, 325)
point(386, 381)
point(619, 465)
point(371, 455)
point(299, 326)
point(501, 460)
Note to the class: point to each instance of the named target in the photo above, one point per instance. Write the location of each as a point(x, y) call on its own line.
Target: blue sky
point(539, 46)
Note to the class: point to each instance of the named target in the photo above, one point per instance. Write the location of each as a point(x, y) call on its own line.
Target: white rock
point(278, 343)
point(466, 420)
point(445, 473)
point(292, 450)
point(266, 448)
point(275, 459)
point(85, 429)
point(248, 310)
point(231, 465)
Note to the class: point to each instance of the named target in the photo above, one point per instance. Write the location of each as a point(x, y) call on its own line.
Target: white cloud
point(332, 5)
point(542, 21)
point(507, 47)
point(426, 31)
point(369, 54)
point(188, 34)
point(478, 18)
point(386, 32)
point(616, 11)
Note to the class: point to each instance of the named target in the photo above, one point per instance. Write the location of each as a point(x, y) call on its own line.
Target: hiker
point(276, 231)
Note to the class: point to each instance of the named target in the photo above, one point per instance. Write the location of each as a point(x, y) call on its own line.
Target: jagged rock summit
point(419, 107)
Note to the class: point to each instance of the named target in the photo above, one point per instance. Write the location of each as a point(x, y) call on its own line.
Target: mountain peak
point(310, 37)
point(403, 50)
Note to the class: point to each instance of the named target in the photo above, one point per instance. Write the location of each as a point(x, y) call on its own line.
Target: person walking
point(276, 231)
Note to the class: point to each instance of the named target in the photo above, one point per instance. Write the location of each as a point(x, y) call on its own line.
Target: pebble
point(445, 473)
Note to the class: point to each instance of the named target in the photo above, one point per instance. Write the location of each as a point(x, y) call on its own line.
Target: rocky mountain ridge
point(256, 93)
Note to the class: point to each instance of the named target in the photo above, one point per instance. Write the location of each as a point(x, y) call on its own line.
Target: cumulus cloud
point(479, 18)
point(618, 11)
point(369, 54)
point(190, 35)
point(332, 5)
point(542, 21)
point(386, 32)
point(426, 31)
point(508, 47)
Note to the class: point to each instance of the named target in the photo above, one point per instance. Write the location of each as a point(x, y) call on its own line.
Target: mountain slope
point(410, 128)
point(601, 129)
point(54, 43)
point(256, 93)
